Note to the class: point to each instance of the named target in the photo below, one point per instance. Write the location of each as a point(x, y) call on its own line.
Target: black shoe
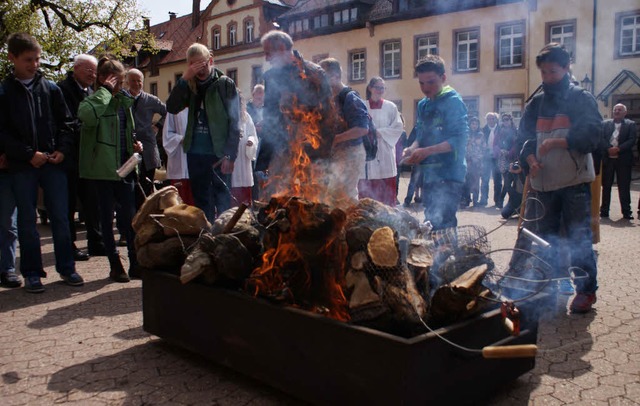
point(604, 215)
point(73, 279)
point(117, 272)
point(79, 255)
point(417, 199)
point(482, 203)
point(627, 216)
point(10, 279)
point(32, 284)
point(97, 251)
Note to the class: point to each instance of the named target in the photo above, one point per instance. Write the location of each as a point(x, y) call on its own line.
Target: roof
point(311, 6)
point(616, 82)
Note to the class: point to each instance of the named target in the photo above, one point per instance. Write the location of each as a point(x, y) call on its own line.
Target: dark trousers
point(441, 201)
point(485, 176)
point(499, 183)
point(210, 187)
point(549, 214)
point(82, 190)
point(622, 173)
point(117, 195)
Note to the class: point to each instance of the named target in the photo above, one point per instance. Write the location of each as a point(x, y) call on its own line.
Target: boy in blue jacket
point(442, 131)
point(34, 127)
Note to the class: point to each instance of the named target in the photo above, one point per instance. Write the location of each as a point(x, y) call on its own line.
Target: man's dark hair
point(431, 63)
point(553, 52)
point(20, 42)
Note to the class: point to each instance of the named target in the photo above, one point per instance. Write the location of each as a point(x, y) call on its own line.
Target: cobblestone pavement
point(86, 345)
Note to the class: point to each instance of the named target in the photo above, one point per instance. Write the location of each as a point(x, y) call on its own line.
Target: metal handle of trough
point(535, 238)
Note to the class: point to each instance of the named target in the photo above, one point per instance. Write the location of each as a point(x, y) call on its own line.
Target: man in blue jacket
point(440, 147)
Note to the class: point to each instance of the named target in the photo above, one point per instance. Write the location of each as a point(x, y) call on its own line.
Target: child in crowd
point(476, 149)
point(35, 131)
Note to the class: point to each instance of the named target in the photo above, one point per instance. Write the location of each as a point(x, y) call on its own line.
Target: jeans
point(53, 181)
point(210, 187)
point(563, 218)
point(415, 182)
point(441, 201)
point(118, 195)
point(8, 228)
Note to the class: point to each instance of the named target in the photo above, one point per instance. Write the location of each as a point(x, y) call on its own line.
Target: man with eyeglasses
point(75, 87)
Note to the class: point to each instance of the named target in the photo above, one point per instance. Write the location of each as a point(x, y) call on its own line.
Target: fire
point(304, 264)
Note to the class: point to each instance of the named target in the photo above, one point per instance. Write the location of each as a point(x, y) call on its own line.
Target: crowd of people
point(70, 139)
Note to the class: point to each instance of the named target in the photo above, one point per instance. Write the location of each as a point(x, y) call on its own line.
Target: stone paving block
point(602, 392)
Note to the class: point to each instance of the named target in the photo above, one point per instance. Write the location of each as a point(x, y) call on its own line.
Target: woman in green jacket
point(107, 141)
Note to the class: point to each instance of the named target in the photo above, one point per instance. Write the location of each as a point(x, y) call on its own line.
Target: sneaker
point(583, 302)
point(565, 287)
point(10, 279)
point(32, 284)
point(73, 279)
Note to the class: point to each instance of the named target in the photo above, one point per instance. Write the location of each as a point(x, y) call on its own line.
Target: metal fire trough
point(324, 361)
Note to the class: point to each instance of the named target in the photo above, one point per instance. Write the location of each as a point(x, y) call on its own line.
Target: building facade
point(489, 45)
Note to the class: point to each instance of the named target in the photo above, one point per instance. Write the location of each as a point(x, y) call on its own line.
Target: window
point(233, 74)
point(321, 21)
point(233, 35)
point(426, 45)
point(215, 40)
point(391, 59)
point(248, 31)
point(472, 106)
point(357, 65)
point(153, 88)
point(345, 16)
point(256, 75)
point(169, 87)
point(628, 34)
point(510, 45)
point(466, 51)
point(564, 33)
point(177, 77)
point(512, 104)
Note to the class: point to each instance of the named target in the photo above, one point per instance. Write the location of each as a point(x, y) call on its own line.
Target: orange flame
point(286, 267)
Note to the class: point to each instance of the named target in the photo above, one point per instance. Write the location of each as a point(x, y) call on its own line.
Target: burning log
point(304, 255)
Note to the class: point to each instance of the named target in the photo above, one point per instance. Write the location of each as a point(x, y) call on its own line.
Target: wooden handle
point(510, 351)
point(234, 220)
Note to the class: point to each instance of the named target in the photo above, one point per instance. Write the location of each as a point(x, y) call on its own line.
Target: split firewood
point(420, 253)
point(359, 260)
point(361, 292)
point(197, 262)
point(458, 299)
point(358, 237)
point(382, 248)
point(221, 222)
point(402, 297)
point(231, 260)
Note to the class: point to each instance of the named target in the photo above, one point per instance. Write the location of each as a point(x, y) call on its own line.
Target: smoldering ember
point(260, 281)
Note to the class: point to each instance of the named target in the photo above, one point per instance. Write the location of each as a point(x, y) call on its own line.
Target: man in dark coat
point(620, 136)
point(75, 87)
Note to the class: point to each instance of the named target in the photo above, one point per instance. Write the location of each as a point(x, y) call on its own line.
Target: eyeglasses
point(506, 119)
point(381, 88)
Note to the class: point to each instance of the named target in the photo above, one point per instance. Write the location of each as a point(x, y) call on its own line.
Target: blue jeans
point(53, 181)
point(441, 201)
point(8, 228)
point(210, 187)
point(563, 217)
point(118, 195)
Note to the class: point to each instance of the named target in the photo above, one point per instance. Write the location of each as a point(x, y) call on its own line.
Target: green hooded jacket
point(100, 134)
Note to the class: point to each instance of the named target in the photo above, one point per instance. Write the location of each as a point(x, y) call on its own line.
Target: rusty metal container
point(324, 361)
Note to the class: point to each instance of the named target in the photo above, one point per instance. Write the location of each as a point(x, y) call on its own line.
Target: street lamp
point(586, 83)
